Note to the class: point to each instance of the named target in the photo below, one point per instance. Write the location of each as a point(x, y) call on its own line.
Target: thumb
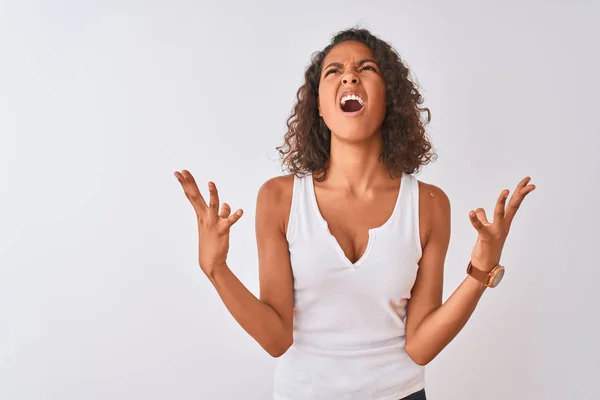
point(475, 221)
point(233, 218)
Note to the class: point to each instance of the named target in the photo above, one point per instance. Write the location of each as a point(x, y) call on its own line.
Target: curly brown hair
point(406, 146)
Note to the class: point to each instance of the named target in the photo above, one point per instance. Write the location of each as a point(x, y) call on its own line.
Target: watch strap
point(478, 274)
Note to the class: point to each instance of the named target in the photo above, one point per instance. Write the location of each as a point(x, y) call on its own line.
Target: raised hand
point(492, 235)
point(213, 226)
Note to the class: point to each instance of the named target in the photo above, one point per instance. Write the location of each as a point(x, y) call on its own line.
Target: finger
point(191, 190)
point(523, 183)
point(480, 212)
point(513, 205)
point(179, 177)
point(475, 221)
point(213, 203)
point(522, 190)
point(225, 210)
point(233, 218)
point(500, 208)
point(189, 177)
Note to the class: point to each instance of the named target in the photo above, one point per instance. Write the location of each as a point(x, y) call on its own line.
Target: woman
point(351, 245)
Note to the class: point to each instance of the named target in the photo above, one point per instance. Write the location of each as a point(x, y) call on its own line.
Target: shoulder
point(434, 208)
point(275, 197)
point(433, 197)
point(276, 189)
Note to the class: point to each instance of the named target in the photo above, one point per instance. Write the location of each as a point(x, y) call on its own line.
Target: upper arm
point(275, 272)
point(426, 294)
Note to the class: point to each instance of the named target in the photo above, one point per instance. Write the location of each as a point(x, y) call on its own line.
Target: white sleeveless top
point(349, 319)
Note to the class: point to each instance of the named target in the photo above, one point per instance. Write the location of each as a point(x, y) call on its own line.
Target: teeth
point(352, 97)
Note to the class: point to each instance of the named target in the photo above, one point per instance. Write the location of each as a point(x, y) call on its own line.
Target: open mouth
point(351, 103)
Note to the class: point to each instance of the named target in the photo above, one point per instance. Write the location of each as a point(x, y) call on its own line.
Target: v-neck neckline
point(371, 231)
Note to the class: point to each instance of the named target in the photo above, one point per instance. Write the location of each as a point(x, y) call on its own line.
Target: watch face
point(498, 278)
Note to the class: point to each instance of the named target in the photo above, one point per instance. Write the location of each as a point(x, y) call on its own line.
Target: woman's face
point(352, 92)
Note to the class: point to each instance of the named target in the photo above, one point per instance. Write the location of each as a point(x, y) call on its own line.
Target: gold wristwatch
point(489, 279)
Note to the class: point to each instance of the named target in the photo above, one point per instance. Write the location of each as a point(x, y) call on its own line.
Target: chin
point(354, 134)
point(355, 129)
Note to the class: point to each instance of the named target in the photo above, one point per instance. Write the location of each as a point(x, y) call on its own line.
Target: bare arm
point(268, 319)
point(430, 326)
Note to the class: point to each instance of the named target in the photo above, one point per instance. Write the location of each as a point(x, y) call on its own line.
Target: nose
point(350, 77)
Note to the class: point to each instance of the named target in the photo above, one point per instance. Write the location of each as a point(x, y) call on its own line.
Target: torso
point(350, 217)
point(350, 299)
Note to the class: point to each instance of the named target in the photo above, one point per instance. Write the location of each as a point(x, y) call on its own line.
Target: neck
point(356, 166)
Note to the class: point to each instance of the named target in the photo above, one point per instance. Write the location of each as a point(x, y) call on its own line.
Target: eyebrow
point(340, 65)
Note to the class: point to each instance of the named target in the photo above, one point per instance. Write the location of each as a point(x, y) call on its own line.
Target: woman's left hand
point(492, 235)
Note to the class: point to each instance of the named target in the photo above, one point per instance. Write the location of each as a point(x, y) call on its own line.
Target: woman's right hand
point(213, 226)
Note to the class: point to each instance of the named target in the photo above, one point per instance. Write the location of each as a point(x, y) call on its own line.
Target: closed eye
point(370, 67)
point(335, 70)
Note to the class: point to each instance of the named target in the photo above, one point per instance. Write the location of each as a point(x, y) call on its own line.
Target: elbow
point(276, 353)
point(417, 357)
point(280, 347)
point(421, 362)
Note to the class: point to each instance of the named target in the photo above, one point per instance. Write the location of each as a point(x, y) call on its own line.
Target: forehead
point(347, 52)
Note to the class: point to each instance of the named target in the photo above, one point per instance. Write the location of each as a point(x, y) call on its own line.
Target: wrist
point(213, 270)
point(484, 265)
point(476, 283)
point(489, 278)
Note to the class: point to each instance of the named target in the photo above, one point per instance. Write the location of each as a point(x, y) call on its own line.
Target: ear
point(319, 106)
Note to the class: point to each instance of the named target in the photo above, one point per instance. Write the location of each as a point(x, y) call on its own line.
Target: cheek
point(378, 90)
point(325, 96)
point(381, 100)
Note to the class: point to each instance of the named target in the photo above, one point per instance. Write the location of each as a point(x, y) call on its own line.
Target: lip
point(353, 114)
point(355, 92)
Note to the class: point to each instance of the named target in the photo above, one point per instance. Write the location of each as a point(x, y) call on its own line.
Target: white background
point(101, 296)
